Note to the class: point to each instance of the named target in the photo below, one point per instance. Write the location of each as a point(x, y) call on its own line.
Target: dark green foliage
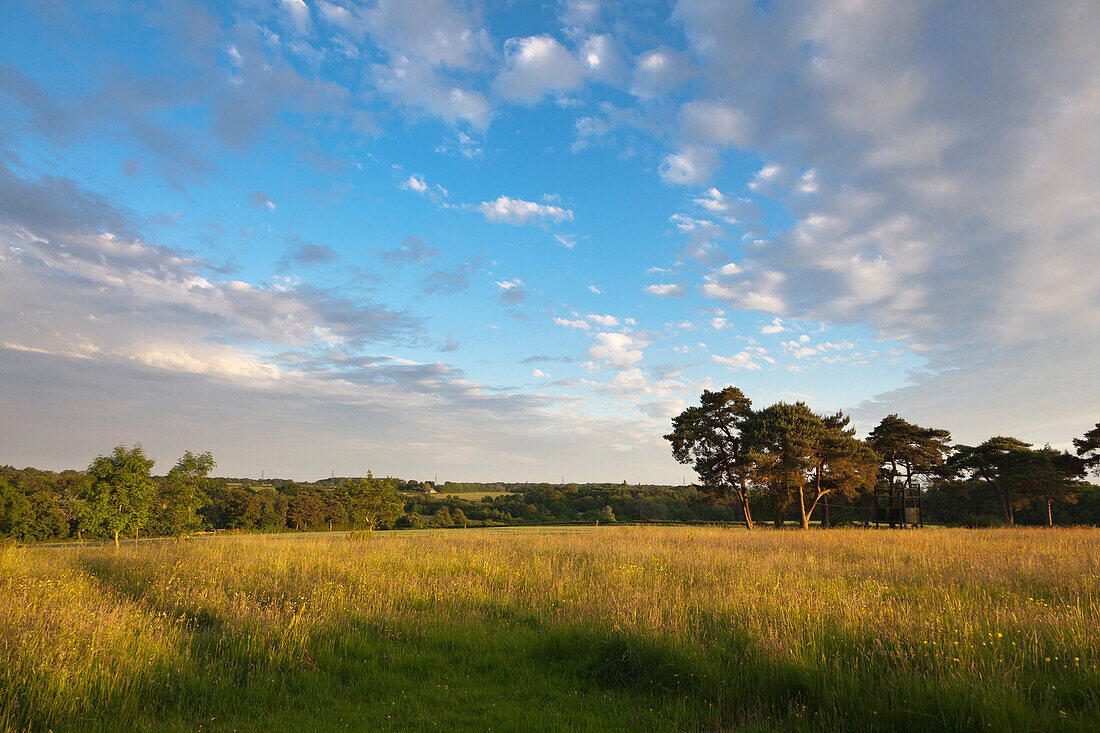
point(909, 452)
point(711, 439)
point(785, 452)
point(1088, 448)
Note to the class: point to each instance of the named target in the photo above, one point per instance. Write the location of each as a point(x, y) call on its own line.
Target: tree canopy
point(117, 492)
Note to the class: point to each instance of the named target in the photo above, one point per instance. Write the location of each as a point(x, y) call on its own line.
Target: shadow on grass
point(507, 668)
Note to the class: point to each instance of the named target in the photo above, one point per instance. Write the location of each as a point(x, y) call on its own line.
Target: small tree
point(117, 492)
point(182, 494)
point(373, 502)
point(442, 518)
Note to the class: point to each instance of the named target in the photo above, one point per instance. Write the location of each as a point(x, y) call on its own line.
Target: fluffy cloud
point(603, 321)
point(658, 71)
point(415, 183)
point(935, 216)
point(518, 212)
point(574, 323)
point(535, 67)
point(620, 350)
point(667, 290)
point(604, 59)
point(714, 122)
point(690, 166)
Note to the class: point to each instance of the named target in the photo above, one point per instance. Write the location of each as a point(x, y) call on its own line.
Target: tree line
point(118, 497)
point(790, 458)
point(777, 464)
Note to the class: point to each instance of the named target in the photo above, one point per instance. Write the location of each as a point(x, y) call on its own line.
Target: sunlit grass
point(652, 628)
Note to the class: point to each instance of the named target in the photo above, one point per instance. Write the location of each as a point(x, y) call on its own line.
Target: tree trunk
point(1009, 514)
point(1050, 517)
point(805, 520)
point(116, 538)
point(826, 523)
point(743, 494)
point(893, 489)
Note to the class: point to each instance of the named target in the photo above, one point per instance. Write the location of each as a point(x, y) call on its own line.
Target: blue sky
point(511, 240)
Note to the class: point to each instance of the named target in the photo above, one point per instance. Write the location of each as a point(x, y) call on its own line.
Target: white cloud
point(730, 210)
point(604, 59)
point(740, 360)
point(518, 212)
point(299, 14)
point(415, 183)
point(712, 122)
point(690, 166)
point(539, 374)
point(603, 321)
point(767, 177)
point(620, 350)
point(536, 66)
point(666, 290)
point(594, 290)
point(568, 241)
point(657, 72)
point(776, 326)
point(416, 84)
point(509, 284)
point(575, 323)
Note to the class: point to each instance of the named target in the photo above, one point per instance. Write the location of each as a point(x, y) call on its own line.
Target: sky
point(510, 240)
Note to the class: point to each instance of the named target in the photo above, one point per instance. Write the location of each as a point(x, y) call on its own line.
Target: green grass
point(646, 628)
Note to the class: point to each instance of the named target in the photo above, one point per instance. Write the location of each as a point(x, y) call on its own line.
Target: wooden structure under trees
point(901, 506)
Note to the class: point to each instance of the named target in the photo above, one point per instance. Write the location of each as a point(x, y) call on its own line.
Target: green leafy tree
point(711, 439)
point(304, 510)
point(14, 511)
point(45, 520)
point(273, 506)
point(372, 502)
point(117, 493)
point(442, 518)
point(181, 494)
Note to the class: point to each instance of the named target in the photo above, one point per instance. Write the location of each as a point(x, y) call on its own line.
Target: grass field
point(636, 627)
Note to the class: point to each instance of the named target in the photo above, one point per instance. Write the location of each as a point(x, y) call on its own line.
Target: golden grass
point(845, 628)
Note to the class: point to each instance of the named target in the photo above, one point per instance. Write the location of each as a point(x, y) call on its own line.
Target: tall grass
point(652, 628)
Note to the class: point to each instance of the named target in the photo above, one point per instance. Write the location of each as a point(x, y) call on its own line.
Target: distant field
point(644, 628)
point(467, 495)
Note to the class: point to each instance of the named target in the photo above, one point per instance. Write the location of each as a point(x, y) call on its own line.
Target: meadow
point(647, 628)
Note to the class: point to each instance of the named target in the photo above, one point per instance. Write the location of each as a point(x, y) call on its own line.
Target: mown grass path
point(641, 628)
